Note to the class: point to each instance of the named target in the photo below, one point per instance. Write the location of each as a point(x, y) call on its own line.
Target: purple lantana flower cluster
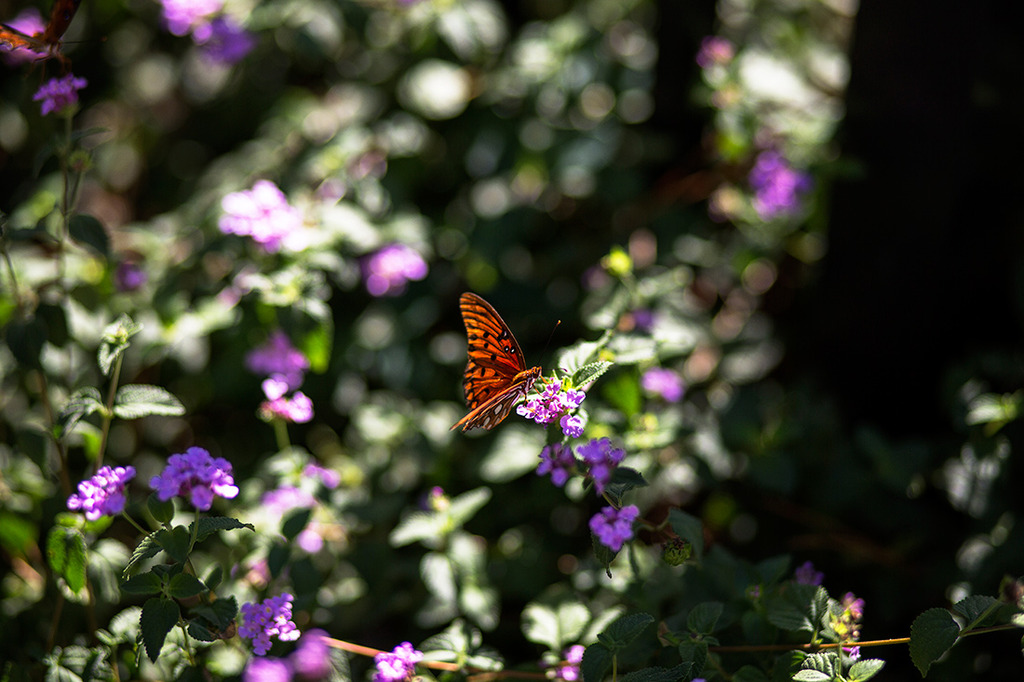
point(569, 669)
point(778, 187)
point(613, 527)
point(311, 660)
point(285, 367)
point(806, 574)
point(103, 494)
point(664, 383)
point(388, 270)
point(262, 213)
point(221, 38)
point(554, 404)
point(398, 665)
point(59, 95)
point(601, 458)
point(270, 618)
point(197, 476)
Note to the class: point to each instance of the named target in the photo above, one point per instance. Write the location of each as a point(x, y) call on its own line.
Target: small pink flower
point(59, 94)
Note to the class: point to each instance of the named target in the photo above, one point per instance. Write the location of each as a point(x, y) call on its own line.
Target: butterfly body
point(496, 374)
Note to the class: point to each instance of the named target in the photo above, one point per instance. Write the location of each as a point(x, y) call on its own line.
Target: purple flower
point(30, 23)
point(644, 319)
point(297, 409)
point(777, 185)
point(262, 213)
point(129, 276)
point(223, 40)
point(399, 665)
point(551, 404)
point(572, 425)
point(279, 359)
point(806, 575)
point(663, 382)
point(715, 50)
point(853, 652)
point(559, 461)
point(601, 459)
point(613, 527)
point(103, 494)
point(312, 656)
point(180, 16)
point(569, 671)
point(388, 270)
point(270, 618)
point(59, 94)
point(261, 669)
point(282, 500)
point(328, 477)
point(196, 476)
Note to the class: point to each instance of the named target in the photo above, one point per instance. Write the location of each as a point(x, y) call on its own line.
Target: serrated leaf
point(703, 617)
point(81, 404)
point(157, 619)
point(597, 660)
point(695, 653)
point(865, 669)
point(688, 528)
point(295, 523)
point(144, 583)
point(811, 676)
point(625, 629)
point(932, 634)
point(86, 229)
point(185, 585)
point(590, 372)
point(147, 548)
point(571, 359)
point(624, 479)
point(977, 610)
point(140, 400)
point(212, 524)
point(175, 542)
point(201, 632)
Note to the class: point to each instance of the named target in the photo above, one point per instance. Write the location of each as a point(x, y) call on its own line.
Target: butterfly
point(496, 374)
point(47, 43)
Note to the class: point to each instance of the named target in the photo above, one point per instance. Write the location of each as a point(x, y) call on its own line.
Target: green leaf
point(212, 524)
point(624, 479)
point(465, 506)
point(570, 360)
point(978, 610)
point(811, 676)
point(556, 623)
point(597, 660)
point(703, 617)
point(115, 341)
point(175, 542)
point(141, 400)
point(87, 230)
point(75, 664)
point(825, 663)
point(865, 669)
point(796, 609)
point(66, 552)
point(688, 528)
point(81, 404)
point(680, 672)
point(148, 548)
point(696, 653)
point(295, 523)
point(162, 510)
point(932, 634)
point(416, 527)
point(25, 339)
point(200, 632)
point(158, 617)
point(184, 585)
point(624, 630)
point(144, 583)
point(590, 372)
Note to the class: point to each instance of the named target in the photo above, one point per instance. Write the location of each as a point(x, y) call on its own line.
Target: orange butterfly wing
point(47, 43)
point(496, 375)
point(60, 18)
point(12, 39)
